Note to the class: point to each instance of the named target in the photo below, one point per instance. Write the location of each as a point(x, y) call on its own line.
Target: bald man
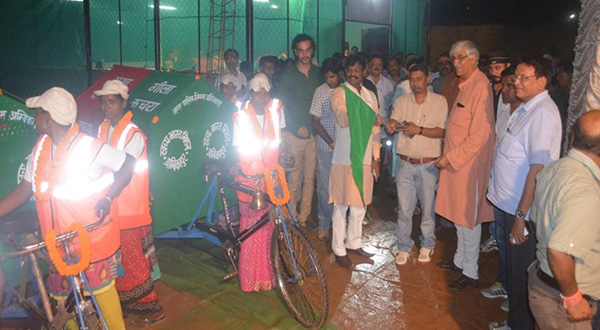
point(564, 281)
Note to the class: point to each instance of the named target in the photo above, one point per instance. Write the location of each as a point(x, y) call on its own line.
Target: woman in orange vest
point(131, 209)
point(257, 135)
point(73, 178)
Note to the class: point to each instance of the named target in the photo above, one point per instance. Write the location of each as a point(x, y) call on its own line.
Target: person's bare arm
point(563, 270)
point(517, 234)
point(17, 197)
point(316, 124)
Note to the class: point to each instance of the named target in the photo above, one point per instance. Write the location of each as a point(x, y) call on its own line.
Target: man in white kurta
point(343, 191)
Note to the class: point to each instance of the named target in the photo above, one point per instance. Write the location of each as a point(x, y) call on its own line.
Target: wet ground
point(377, 294)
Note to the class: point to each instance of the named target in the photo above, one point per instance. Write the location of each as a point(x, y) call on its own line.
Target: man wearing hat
point(131, 208)
point(256, 135)
point(498, 62)
point(74, 179)
point(228, 87)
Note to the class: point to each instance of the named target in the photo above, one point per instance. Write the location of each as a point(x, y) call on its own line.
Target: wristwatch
point(421, 131)
point(520, 214)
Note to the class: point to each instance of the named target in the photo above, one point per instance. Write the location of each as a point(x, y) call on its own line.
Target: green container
point(17, 138)
point(187, 123)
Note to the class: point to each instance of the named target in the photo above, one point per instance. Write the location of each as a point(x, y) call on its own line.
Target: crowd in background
point(462, 144)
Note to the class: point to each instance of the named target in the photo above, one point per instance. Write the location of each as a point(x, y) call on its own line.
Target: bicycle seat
point(215, 166)
point(19, 222)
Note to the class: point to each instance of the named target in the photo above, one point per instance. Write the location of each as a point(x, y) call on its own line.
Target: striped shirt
point(321, 107)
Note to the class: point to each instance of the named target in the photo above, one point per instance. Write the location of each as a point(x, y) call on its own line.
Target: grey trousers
point(546, 305)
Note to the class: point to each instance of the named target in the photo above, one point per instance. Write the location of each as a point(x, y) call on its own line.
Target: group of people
point(469, 146)
point(76, 178)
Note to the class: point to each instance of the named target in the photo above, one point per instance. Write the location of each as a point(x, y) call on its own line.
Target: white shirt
point(532, 137)
point(135, 146)
point(502, 118)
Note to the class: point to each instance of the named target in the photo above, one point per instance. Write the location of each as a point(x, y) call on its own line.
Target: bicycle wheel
point(301, 284)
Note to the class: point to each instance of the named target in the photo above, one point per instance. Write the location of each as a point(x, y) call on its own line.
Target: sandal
point(144, 321)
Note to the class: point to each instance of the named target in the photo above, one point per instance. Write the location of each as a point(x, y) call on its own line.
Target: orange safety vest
point(75, 196)
point(258, 148)
point(132, 206)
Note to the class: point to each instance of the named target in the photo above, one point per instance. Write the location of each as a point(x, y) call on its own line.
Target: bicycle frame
point(74, 280)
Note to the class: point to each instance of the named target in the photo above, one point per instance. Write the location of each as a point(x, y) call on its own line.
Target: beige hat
point(114, 87)
point(259, 81)
point(229, 79)
point(58, 102)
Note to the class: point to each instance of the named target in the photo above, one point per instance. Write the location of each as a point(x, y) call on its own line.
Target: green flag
point(361, 119)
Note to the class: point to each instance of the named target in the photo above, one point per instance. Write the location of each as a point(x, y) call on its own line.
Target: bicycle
point(48, 313)
point(299, 273)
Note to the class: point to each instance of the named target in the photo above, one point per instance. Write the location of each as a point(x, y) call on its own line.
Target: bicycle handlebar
point(60, 238)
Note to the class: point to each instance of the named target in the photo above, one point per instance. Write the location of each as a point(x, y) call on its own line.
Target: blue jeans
point(324, 209)
point(416, 181)
point(500, 235)
point(492, 230)
point(596, 320)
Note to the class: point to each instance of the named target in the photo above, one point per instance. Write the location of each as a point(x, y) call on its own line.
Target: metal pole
point(428, 49)
point(405, 25)
point(318, 48)
point(157, 56)
point(250, 31)
point(120, 36)
point(344, 3)
point(199, 39)
point(88, 41)
point(288, 29)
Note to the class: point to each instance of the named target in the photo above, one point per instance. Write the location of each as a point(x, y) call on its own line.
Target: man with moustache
point(444, 68)
point(420, 117)
point(296, 90)
point(465, 164)
point(385, 86)
point(506, 108)
point(531, 142)
point(355, 162)
point(498, 61)
point(394, 70)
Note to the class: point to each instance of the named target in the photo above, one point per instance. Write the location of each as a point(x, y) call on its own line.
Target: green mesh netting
point(46, 43)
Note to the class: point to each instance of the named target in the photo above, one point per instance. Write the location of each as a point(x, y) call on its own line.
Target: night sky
point(517, 12)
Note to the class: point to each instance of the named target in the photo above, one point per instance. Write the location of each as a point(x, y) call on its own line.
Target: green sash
point(361, 119)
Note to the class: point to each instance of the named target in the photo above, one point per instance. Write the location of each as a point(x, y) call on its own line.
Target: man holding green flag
point(355, 160)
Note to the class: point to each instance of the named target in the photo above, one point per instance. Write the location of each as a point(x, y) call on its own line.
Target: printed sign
point(172, 163)
point(215, 149)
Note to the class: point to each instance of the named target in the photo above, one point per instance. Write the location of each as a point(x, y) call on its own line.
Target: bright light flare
point(164, 7)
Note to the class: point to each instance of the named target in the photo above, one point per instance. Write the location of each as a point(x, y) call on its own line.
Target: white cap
point(114, 87)
point(226, 79)
point(259, 81)
point(58, 102)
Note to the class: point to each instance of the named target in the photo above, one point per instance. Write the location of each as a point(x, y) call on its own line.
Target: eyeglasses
point(459, 58)
point(522, 78)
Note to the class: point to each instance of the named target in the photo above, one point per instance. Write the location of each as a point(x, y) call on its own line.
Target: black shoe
point(344, 261)
point(361, 252)
point(448, 265)
point(462, 282)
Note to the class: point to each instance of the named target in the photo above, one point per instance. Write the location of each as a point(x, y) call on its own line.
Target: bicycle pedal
point(229, 277)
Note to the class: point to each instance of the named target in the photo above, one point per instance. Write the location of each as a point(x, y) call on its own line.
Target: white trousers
point(467, 250)
point(351, 233)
